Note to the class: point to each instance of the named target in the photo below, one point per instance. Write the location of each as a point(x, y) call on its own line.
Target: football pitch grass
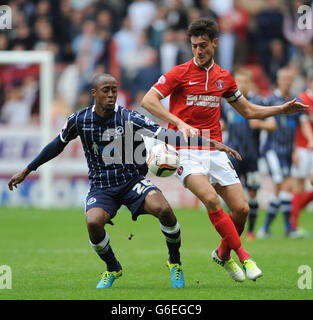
point(50, 257)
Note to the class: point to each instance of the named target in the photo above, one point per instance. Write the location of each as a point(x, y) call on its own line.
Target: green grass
point(50, 257)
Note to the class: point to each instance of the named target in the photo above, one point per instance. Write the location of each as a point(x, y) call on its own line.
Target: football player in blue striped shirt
point(115, 153)
point(278, 150)
point(244, 136)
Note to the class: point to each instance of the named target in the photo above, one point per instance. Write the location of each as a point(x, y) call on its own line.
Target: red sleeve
point(167, 82)
point(231, 93)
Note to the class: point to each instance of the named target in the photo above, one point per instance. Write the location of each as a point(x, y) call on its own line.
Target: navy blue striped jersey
point(114, 152)
point(240, 136)
point(282, 140)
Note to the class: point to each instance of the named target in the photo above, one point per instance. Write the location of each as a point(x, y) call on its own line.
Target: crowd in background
point(137, 41)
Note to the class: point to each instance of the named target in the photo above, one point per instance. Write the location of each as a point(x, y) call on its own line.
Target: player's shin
point(173, 241)
point(105, 252)
point(227, 230)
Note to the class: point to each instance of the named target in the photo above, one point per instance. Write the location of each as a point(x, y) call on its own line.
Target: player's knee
point(164, 213)
point(211, 201)
point(95, 222)
point(242, 211)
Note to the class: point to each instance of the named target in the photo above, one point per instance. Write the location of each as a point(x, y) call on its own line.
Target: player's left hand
point(222, 147)
point(293, 106)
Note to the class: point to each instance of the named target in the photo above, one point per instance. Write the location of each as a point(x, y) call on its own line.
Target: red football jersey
point(196, 94)
point(307, 98)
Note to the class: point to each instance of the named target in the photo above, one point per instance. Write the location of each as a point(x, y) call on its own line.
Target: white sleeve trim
point(158, 92)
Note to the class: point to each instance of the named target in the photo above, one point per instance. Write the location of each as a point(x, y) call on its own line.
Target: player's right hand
point(18, 178)
point(187, 130)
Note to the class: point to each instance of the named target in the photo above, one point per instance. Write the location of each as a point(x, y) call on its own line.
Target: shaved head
point(100, 79)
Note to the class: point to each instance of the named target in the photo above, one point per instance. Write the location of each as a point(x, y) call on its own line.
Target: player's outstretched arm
point(50, 151)
point(151, 102)
point(254, 111)
point(175, 138)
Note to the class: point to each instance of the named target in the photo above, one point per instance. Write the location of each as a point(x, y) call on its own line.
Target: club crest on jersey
point(162, 80)
point(219, 84)
point(180, 170)
point(119, 130)
point(91, 201)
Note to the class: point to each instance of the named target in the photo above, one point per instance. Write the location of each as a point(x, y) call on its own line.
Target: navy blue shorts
point(279, 165)
point(132, 194)
point(247, 170)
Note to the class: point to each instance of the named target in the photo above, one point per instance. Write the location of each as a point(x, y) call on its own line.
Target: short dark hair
point(203, 26)
point(98, 79)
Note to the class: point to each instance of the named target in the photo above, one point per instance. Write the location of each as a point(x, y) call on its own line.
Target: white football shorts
point(214, 164)
point(305, 166)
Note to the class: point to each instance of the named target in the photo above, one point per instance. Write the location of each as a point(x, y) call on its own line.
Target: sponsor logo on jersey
point(203, 100)
point(219, 84)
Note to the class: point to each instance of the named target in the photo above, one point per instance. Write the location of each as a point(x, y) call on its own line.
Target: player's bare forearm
point(254, 111)
point(18, 178)
point(151, 102)
point(222, 147)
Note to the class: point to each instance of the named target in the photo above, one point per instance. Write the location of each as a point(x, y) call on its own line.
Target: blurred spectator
point(125, 40)
point(193, 14)
point(278, 58)
point(176, 15)
point(148, 75)
point(135, 59)
point(141, 14)
point(43, 30)
point(168, 51)
point(233, 47)
point(23, 36)
point(105, 25)
point(184, 48)
point(17, 108)
point(295, 36)
point(157, 28)
point(65, 29)
point(206, 8)
point(301, 63)
point(87, 47)
point(268, 23)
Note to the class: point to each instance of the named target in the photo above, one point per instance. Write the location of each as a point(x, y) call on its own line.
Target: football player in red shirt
point(196, 89)
point(302, 169)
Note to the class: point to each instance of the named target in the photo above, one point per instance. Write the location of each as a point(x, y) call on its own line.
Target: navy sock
point(173, 242)
point(254, 207)
point(286, 198)
point(105, 252)
point(271, 213)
